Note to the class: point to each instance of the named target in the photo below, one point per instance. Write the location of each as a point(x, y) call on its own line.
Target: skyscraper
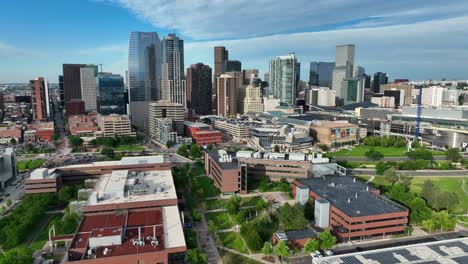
point(173, 85)
point(88, 86)
point(144, 74)
point(252, 100)
point(233, 66)
point(61, 91)
point(379, 78)
point(40, 99)
point(344, 68)
point(165, 109)
point(199, 83)
point(110, 94)
point(321, 73)
point(284, 78)
point(72, 81)
point(221, 56)
point(228, 86)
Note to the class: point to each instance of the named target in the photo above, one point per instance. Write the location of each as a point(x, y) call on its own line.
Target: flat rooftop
point(447, 251)
point(338, 189)
point(122, 186)
point(164, 223)
point(124, 161)
point(227, 164)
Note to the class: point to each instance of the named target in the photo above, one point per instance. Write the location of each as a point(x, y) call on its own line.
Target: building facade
point(7, 165)
point(115, 125)
point(41, 103)
point(228, 86)
point(252, 101)
point(88, 76)
point(72, 81)
point(284, 78)
point(110, 94)
point(344, 68)
point(379, 79)
point(333, 132)
point(144, 74)
point(166, 109)
point(173, 85)
point(199, 88)
point(321, 73)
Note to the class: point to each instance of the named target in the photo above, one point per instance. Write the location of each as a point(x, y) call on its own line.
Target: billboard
point(337, 133)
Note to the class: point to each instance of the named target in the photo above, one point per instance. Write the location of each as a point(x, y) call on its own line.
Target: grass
point(43, 236)
point(220, 219)
point(29, 164)
point(231, 258)
point(449, 184)
point(129, 148)
point(232, 240)
point(214, 204)
point(249, 201)
point(358, 164)
point(360, 151)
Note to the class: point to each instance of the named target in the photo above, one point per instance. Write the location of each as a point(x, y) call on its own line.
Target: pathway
point(371, 179)
point(256, 257)
point(463, 186)
point(417, 173)
point(206, 240)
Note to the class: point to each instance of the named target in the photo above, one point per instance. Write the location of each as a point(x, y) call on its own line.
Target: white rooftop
point(42, 173)
point(173, 233)
point(123, 161)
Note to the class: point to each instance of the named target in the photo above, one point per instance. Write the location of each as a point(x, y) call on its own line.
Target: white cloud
point(208, 19)
point(111, 48)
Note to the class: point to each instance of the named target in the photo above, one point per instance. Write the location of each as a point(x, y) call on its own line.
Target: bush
point(374, 155)
point(420, 154)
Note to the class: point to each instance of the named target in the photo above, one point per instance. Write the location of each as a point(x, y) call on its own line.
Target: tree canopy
point(453, 154)
point(292, 217)
point(326, 240)
point(281, 250)
point(194, 256)
point(311, 245)
point(374, 154)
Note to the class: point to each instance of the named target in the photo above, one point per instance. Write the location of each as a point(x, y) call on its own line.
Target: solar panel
point(351, 260)
point(461, 260)
point(429, 262)
point(383, 257)
point(437, 249)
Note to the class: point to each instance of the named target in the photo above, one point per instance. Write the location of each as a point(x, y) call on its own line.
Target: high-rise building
point(250, 75)
point(233, 66)
point(61, 91)
point(88, 86)
point(320, 96)
point(433, 96)
point(221, 56)
point(115, 125)
point(359, 71)
point(344, 68)
point(353, 90)
point(144, 74)
point(173, 85)
point(166, 109)
point(228, 86)
point(7, 165)
point(72, 81)
point(199, 87)
point(284, 78)
point(40, 99)
point(321, 73)
point(252, 100)
point(379, 79)
point(110, 94)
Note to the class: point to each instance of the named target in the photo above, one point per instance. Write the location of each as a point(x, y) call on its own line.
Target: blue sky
point(407, 39)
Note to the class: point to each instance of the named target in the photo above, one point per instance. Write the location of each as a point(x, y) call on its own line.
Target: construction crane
point(418, 114)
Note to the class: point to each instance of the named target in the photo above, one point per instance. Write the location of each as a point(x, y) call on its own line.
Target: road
point(347, 158)
point(418, 173)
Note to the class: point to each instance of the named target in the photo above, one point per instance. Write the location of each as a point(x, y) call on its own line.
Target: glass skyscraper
point(173, 86)
point(321, 73)
point(284, 78)
point(144, 74)
point(110, 94)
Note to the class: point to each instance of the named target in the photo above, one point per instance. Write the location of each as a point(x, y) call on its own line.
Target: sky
point(417, 39)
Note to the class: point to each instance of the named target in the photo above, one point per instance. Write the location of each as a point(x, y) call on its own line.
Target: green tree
point(267, 249)
point(194, 256)
point(381, 167)
point(13, 141)
point(109, 152)
point(19, 255)
point(391, 176)
point(212, 228)
point(55, 137)
point(374, 154)
point(311, 245)
point(453, 154)
point(195, 152)
point(419, 210)
point(65, 194)
point(281, 250)
point(9, 202)
point(326, 240)
point(292, 217)
point(461, 99)
point(309, 210)
point(427, 190)
point(75, 141)
point(420, 154)
point(183, 150)
point(399, 192)
point(233, 204)
point(251, 236)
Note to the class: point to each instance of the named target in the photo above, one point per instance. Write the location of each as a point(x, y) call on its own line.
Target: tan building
point(329, 132)
point(228, 86)
point(253, 100)
point(166, 109)
point(406, 88)
point(234, 129)
point(115, 125)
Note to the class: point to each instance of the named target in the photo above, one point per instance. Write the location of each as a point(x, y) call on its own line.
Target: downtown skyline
point(404, 40)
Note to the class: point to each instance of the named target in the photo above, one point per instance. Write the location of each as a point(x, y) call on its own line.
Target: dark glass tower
point(199, 88)
point(110, 94)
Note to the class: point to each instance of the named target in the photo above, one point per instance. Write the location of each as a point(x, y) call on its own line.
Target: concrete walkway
point(417, 173)
point(256, 257)
point(206, 241)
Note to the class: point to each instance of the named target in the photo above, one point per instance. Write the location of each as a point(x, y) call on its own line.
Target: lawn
point(43, 236)
point(231, 258)
point(450, 184)
point(130, 148)
point(213, 204)
point(220, 219)
point(29, 164)
point(232, 240)
point(360, 151)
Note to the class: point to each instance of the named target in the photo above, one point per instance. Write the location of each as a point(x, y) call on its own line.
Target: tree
point(9, 202)
point(109, 152)
point(461, 99)
point(292, 217)
point(427, 190)
point(267, 249)
point(195, 152)
point(453, 154)
point(169, 144)
point(326, 240)
point(233, 204)
point(420, 154)
point(13, 141)
point(19, 255)
point(194, 256)
point(55, 137)
point(309, 210)
point(75, 141)
point(374, 154)
point(399, 192)
point(391, 176)
point(281, 250)
point(183, 150)
point(440, 221)
point(419, 210)
point(65, 194)
point(251, 236)
point(381, 167)
point(311, 245)
point(212, 228)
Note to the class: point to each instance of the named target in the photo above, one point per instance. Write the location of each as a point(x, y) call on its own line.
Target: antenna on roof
point(100, 65)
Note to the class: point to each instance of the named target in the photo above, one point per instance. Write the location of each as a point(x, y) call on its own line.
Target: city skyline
point(66, 38)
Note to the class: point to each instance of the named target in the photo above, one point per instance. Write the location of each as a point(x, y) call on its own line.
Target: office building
point(115, 125)
point(379, 79)
point(202, 134)
point(354, 209)
point(344, 68)
point(41, 103)
point(233, 66)
point(334, 132)
point(384, 101)
point(144, 74)
point(110, 94)
point(83, 125)
point(75, 107)
point(321, 73)
point(284, 79)
point(228, 86)
point(61, 91)
point(250, 76)
point(88, 76)
point(433, 96)
point(232, 128)
point(359, 72)
point(72, 81)
point(166, 109)
point(221, 56)
point(199, 88)
point(320, 96)
point(173, 86)
point(407, 92)
point(252, 101)
point(7, 165)
point(352, 90)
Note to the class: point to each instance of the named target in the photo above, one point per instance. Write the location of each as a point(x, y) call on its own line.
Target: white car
point(328, 253)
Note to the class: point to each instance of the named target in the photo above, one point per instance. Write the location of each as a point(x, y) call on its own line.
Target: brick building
point(43, 130)
point(202, 134)
point(333, 132)
point(83, 125)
